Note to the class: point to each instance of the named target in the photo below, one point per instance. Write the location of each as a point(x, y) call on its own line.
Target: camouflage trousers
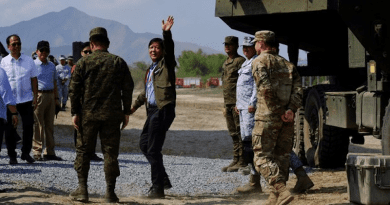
point(272, 145)
point(109, 133)
point(233, 125)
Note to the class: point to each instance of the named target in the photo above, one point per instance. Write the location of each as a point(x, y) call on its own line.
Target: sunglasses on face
point(16, 44)
point(87, 51)
point(44, 50)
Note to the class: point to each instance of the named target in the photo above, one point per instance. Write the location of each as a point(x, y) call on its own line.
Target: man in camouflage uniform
point(229, 78)
point(101, 84)
point(279, 95)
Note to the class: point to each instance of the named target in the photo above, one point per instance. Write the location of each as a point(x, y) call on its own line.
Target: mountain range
point(63, 28)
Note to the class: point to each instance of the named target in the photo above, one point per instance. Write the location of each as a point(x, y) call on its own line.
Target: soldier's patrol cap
point(231, 40)
point(266, 36)
point(98, 31)
point(43, 44)
point(70, 57)
point(248, 41)
point(62, 57)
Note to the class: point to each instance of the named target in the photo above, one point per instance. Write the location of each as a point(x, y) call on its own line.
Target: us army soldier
point(279, 95)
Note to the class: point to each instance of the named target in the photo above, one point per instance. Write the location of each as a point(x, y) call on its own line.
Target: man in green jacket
point(159, 97)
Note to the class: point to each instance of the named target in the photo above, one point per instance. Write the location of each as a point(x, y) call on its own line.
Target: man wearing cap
point(53, 60)
point(246, 107)
point(86, 50)
point(101, 85)
point(229, 78)
point(159, 97)
point(22, 75)
point(47, 99)
point(63, 72)
point(279, 95)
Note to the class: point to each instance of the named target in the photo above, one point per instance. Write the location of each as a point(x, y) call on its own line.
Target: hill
point(69, 25)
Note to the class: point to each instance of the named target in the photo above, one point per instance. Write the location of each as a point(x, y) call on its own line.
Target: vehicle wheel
point(386, 132)
point(298, 144)
point(325, 146)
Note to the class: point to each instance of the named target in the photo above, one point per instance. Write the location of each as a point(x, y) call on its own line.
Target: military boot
point(304, 182)
point(81, 193)
point(273, 198)
point(241, 161)
point(236, 152)
point(253, 186)
point(110, 196)
point(235, 160)
point(284, 196)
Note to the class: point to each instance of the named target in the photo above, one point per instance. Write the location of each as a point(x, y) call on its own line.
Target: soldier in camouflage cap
point(101, 85)
point(279, 95)
point(229, 78)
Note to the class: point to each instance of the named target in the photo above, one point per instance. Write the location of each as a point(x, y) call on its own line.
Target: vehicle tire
point(298, 144)
point(325, 146)
point(386, 132)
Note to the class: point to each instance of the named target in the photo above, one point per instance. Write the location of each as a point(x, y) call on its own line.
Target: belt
point(150, 106)
point(45, 91)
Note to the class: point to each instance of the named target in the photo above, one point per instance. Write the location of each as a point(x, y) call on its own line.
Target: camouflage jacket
point(278, 86)
point(229, 78)
point(163, 77)
point(101, 84)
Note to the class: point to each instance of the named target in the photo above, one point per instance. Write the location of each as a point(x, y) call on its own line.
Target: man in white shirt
point(63, 72)
point(22, 76)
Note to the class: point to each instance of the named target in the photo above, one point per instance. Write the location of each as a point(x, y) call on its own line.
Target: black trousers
point(26, 112)
point(152, 140)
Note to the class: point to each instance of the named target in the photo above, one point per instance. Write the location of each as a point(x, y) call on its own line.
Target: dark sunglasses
point(16, 44)
point(87, 52)
point(44, 50)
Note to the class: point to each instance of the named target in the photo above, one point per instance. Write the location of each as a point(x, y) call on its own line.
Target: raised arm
point(169, 54)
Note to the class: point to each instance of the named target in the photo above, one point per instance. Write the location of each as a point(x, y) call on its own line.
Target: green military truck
point(345, 39)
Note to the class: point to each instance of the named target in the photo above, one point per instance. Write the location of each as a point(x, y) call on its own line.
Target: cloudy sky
point(195, 20)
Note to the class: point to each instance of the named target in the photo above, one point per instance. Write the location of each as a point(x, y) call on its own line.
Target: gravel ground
point(190, 176)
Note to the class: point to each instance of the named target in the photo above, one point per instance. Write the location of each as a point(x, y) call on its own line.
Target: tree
point(200, 65)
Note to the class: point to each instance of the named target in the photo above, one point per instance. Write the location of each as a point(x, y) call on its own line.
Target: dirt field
point(199, 125)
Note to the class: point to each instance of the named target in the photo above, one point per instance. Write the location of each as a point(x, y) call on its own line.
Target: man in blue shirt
point(7, 100)
point(45, 111)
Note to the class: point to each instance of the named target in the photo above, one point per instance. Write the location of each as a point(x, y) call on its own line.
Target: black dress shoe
point(167, 183)
point(156, 193)
point(51, 157)
point(96, 158)
point(13, 160)
point(27, 158)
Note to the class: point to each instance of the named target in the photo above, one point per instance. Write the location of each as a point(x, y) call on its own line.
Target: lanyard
point(151, 71)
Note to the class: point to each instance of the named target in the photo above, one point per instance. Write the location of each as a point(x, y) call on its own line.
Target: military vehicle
point(345, 39)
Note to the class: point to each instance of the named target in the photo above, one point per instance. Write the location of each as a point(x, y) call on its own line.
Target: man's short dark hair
point(158, 40)
point(9, 38)
point(100, 40)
